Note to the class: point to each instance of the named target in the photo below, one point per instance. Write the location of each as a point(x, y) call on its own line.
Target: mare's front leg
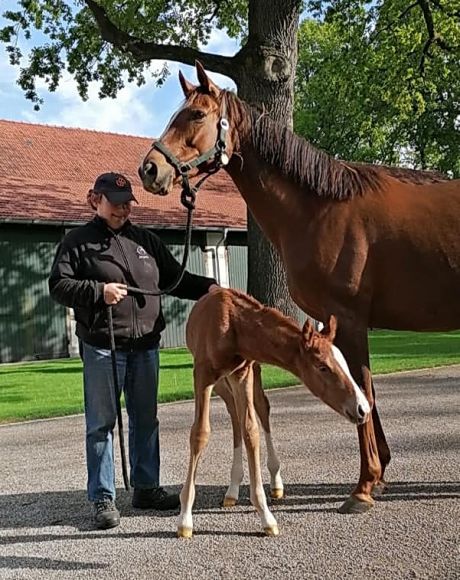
point(352, 340)
point(382, 446)
point(224, 390)
point(262, 406)
point(242, 387)
point(199, 436)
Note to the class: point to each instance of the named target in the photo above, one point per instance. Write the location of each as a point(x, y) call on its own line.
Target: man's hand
point(114, 292)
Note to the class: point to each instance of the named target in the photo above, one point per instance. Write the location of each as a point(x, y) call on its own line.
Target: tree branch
point(146, 51)
point(400, 17)
point(433, 37)
point(445, 9)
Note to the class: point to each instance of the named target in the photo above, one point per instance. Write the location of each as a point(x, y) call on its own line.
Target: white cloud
point(8, 74)
point(127, 113)
point(221, 43)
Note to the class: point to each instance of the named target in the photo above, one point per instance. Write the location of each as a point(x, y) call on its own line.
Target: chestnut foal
point(227, 331)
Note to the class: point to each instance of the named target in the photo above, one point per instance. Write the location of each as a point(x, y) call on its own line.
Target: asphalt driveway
point(46, 530)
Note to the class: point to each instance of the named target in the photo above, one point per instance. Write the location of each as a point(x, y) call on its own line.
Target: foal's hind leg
point(224, 389)
point(242, 386)
point(262, 407)
point(199, 436)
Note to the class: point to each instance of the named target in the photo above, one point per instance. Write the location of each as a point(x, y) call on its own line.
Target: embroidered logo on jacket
point(141, 253)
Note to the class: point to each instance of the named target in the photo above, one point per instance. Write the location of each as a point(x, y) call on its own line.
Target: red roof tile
point(45, 173)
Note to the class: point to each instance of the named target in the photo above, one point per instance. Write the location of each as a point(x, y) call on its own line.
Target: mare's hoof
point(229, 502)
point(277, 493)
point(355, 506)
point(272, 531)
point(183, 532)
point(379, 489)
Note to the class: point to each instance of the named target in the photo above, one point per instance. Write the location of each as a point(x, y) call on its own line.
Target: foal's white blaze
point(360, 397)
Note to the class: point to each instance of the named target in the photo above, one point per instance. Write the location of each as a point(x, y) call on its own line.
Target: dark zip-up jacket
point(92, 255)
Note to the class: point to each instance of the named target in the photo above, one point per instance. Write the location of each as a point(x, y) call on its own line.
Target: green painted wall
point(32, 326)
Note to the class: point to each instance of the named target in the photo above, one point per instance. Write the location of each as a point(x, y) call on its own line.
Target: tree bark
point(265, 78)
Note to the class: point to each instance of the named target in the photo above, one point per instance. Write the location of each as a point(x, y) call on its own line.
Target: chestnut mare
point(378, 247)
point(227, 331)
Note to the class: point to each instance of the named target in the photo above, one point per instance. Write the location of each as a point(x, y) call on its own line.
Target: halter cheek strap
point(217, 154)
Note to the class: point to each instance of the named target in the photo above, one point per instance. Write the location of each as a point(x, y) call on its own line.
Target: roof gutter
point(69, 223)
point(40, 222)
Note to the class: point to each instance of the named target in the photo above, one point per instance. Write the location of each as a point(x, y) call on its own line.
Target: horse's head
point(196, 139)
point(325, 372)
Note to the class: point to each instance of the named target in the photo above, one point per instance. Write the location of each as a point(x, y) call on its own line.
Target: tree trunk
point(265, 78)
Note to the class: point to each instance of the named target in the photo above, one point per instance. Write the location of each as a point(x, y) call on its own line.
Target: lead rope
point(188, 198)
point(116, 387)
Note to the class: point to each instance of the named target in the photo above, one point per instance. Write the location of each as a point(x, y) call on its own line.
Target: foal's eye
point(197, 115)
point(323, 369)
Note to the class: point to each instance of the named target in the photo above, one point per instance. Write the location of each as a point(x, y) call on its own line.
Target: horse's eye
point(323, 369)
point(197, 115)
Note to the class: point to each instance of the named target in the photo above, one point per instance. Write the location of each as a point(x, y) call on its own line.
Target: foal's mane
point(309, 167)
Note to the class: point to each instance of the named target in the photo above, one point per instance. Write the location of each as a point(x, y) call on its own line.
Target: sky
point(143, 111)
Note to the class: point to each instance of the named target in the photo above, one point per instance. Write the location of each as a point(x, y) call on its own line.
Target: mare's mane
point(316, 171)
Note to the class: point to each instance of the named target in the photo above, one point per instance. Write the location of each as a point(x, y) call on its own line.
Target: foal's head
point(196, 140)
point(325, 372)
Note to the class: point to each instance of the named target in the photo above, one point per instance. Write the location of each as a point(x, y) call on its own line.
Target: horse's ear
point(205, 82)
point(330, 329)
point(308, 332)
point(187, 87)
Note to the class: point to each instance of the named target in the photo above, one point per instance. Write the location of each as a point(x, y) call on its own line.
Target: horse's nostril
point(361, 412)
point(150, 169)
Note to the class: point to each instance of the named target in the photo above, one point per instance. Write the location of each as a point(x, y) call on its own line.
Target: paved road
point(45, 531)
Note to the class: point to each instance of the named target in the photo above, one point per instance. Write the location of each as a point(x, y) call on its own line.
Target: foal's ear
point(187, 87)
point(308, 332)
point(330, 329)
point(205, 82)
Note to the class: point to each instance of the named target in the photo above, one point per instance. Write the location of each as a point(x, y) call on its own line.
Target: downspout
point(219, 243)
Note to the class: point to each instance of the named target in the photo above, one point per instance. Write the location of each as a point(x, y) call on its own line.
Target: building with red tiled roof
point(45, 174)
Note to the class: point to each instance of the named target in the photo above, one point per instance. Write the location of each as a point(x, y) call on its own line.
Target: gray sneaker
point(106, 514)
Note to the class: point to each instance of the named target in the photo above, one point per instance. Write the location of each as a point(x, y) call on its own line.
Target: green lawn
point(49, 389)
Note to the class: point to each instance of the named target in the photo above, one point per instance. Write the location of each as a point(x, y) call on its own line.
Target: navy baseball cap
point(116, 188)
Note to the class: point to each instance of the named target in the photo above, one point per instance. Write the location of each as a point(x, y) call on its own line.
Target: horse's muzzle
point(158, 182)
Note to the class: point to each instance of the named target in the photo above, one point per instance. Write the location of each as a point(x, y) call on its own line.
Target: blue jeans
point(138, 377)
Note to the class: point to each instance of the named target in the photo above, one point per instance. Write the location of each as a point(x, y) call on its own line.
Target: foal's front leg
point(242, 386)
point(199, 436)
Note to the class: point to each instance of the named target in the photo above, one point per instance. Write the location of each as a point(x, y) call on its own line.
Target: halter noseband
point(217, 153)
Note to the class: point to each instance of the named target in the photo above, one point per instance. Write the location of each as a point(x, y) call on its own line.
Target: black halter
point(216, 153)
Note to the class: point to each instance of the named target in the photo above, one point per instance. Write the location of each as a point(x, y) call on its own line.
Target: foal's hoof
point(355, 506)
point(277, 493)
point(379, 489)
point(229, 502)
point(183, 532)
point(272, 531)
